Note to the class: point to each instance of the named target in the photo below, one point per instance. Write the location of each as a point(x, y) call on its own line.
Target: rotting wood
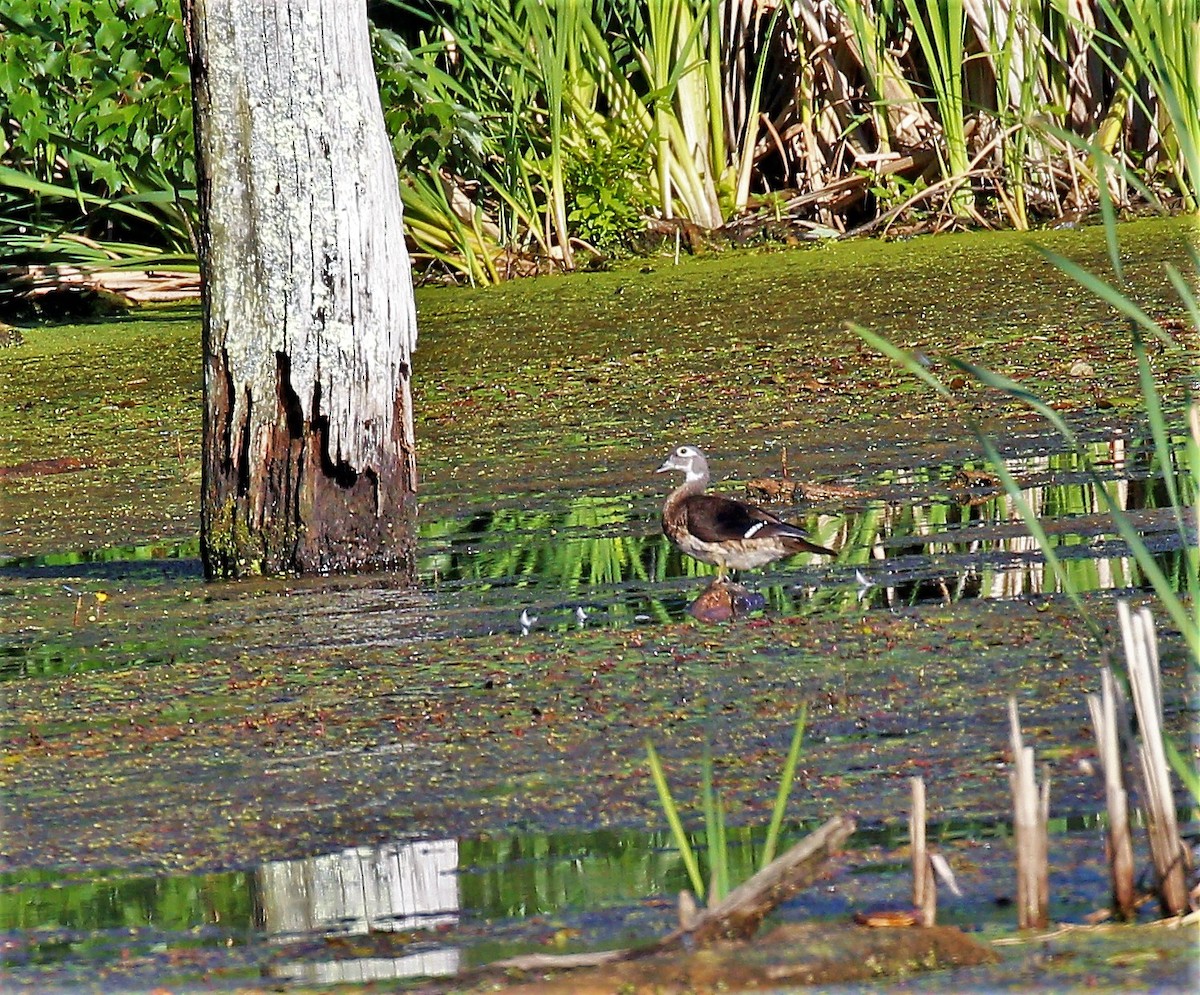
point(738, 915)
point(309, 321)
point(787, 491)
point(789, 955)
point(741, 912)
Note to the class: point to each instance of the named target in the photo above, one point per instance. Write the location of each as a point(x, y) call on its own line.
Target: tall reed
point(940, 28)
point(1179, 465)
point(845, 114)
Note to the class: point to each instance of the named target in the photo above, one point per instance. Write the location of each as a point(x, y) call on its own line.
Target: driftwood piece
point(784, 489)
point(972, 487)
point(788, 956)
point(737, 916)
point(125, 286)
point(788, 491)
point(741, 912)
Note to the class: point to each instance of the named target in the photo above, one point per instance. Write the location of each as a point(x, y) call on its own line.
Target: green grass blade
point(721, 864)
point(1109, 214)
point(785, 788)
point(1018, 392)
point(1184, 769)
point(672, 813)
point(1186, 292)
point(1030, 518)
point(1158, 429)
point(1105, 292)
point(905, 359)
point(712, 833)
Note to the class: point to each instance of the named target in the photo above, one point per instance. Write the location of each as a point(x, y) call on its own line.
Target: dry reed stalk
point(1119, 841)
point(924, 884)
point(1031, 812)
point(1167, 851)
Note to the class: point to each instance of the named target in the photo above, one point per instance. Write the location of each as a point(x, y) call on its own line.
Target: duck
point(721, 531)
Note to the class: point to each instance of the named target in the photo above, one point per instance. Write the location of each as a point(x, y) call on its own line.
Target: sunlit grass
point(716, 835)
point(831, 116)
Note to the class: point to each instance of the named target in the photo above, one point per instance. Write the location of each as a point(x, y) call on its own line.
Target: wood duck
point(718, 530)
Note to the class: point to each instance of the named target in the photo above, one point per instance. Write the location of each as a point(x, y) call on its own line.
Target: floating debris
point(527, 621)
point(864, 584)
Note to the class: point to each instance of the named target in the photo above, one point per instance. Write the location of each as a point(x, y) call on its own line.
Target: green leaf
point(672, 813)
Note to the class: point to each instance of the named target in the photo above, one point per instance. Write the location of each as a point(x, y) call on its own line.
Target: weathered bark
point(309, 319)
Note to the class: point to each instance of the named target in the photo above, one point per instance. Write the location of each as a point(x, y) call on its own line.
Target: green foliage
point(716, 832)
point(98, 89)
point(606, 193)
point(1161, 39)
point(98, 138)
point(521, 126)
point(940, 28)
point(430, 125)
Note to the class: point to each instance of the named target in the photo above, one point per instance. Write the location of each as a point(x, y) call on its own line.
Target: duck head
point(688, 460)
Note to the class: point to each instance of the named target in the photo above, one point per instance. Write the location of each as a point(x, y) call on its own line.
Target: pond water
point(329, 779)
point(438, 907)
point(562, 561)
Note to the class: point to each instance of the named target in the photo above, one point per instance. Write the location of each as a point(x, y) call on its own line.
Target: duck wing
point(716, 519)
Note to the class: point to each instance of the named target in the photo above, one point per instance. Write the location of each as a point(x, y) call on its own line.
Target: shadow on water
point(555, 561)
point(436, 907)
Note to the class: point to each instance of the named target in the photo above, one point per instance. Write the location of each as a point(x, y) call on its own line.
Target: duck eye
point(681, 451)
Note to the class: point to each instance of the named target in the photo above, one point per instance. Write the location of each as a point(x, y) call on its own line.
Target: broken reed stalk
point(1107, 724)
point(924, 885)
point(1031, 813)
point(1167, 851)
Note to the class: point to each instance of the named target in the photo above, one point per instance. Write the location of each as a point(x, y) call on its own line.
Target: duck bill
point(668, 465)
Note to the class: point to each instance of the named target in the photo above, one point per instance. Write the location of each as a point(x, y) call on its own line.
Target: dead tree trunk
point(309, 320)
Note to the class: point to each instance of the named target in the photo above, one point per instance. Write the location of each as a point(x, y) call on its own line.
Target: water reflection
point(412, 908)
point(904, 538)
point(914, 535)
point(408, 886)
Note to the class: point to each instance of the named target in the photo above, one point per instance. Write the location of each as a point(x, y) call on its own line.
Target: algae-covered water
point(330, 779)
